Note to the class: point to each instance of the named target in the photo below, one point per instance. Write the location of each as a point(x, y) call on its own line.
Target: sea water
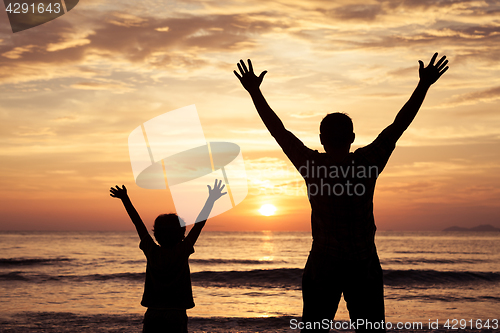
point(427, 275)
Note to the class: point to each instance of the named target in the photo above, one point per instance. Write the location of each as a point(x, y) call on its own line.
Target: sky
point(73, 89)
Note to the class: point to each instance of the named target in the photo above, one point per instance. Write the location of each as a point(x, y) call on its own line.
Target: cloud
point(186, 41)
point(487, 95)
point(365, 12)
point(116, 86)
point(411, 187)
point(17, 52)
point(302, 115)
point(467, 7)
point(444, 34)
point(38, 132)
point(69, 43)
point(119, 37)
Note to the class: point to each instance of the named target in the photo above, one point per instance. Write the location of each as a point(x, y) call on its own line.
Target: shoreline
point(62, 322)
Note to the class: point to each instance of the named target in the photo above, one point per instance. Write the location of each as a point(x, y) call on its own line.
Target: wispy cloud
point(486, 95)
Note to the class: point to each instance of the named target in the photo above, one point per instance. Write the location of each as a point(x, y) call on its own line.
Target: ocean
point(241, 275)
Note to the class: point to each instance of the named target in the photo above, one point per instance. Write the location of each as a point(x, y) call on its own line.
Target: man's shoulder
point(384, 143)
point(377, 153)
point(361, 150)
point(296, 151)
point(289, 141)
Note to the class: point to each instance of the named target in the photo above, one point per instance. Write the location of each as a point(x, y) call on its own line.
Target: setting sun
point(267, 210)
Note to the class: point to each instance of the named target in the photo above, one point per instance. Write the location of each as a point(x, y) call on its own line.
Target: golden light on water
point(267, 210)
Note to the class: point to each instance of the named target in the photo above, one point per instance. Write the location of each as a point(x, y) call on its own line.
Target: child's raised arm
point(213, 195)
point(121, 193)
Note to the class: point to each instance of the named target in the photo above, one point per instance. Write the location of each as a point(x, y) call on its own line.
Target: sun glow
point(267, 210)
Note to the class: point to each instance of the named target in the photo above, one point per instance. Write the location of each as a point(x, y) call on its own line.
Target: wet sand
point(61, 322)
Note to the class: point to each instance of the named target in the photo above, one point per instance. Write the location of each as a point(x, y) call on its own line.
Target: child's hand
point(120, 193)
point(215, 193)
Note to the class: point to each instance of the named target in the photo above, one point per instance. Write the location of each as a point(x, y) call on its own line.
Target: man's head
point(167, 230)
point(336, 131)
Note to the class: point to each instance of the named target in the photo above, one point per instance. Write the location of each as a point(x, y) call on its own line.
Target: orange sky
point(73, 89)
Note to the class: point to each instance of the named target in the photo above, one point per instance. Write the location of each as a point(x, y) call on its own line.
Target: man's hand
point(120, 193)
point(428, 75)
point(216, 192)
point(248, 79)
point(432, 73)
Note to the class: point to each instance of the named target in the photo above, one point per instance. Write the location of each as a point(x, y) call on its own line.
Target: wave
point(234, 261)
point(14, 276)
point(288, 278)
point(116, 276)
point(415, 261)
point(291, 278)
point(264, 278)
point(417, 277)
point(274, 278)
point(39, 261)
point(442, 252)
point(30, 277)
point(447, 298)
point(30, 261)
point(125, 323)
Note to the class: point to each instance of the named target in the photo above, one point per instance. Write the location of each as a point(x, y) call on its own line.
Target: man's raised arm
point(428, 76)
point(251, 83)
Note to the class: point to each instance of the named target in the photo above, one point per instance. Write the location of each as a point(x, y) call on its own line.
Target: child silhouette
point(167, 289)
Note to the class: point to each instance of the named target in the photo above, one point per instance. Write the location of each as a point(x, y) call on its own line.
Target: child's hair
point(168, 230)
point(336, 129)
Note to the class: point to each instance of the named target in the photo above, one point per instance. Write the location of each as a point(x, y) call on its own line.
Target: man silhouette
point(340, 185)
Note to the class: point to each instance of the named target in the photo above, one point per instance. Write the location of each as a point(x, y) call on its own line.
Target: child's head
point(167, 230)
point(336, 130)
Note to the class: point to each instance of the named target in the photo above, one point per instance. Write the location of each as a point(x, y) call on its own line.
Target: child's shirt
point(168, 279)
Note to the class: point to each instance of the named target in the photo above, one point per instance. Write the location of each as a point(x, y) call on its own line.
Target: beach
point(50, 322)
